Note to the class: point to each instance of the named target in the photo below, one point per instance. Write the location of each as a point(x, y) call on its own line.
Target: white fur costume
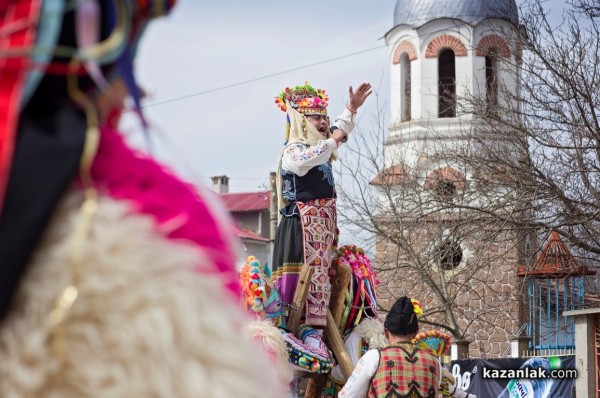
point(145, 323)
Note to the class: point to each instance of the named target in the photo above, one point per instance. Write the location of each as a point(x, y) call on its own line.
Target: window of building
point(491, 82)
point(405, 87)
point(446, 84)
point(445, 189)
point(450, 254)
point(528, 252)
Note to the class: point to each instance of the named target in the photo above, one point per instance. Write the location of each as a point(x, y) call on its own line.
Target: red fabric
point(405, 371)
point(18, 22)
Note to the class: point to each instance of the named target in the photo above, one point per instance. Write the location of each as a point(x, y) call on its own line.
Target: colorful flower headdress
point(305, 99)
point(361, 298)
point(355, 257)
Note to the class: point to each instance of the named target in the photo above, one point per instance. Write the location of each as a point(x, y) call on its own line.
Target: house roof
point(244, 202)
point(555, 260)
point(244, 233)
point(393, 175)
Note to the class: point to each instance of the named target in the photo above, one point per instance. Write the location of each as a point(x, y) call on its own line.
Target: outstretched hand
point(358, 97)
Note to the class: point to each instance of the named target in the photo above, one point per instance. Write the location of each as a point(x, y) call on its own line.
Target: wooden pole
point(337, 346)
point(300, 299)
point(315, 386)
point(339, 286)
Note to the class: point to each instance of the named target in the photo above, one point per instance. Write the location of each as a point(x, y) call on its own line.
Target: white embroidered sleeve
point(345, 121)
point(352, 344)
point(299, 158)
point(358, 383)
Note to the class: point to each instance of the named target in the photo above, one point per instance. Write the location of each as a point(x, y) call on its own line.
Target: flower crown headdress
point(305, 99)
point(361, 297)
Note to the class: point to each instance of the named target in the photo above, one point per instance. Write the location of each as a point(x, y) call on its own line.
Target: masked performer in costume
point(117, 279)
point(306, 231)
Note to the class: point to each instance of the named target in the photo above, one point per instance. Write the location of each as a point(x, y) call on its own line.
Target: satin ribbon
point(87, 26)
point(50, 21)
point(68, 296)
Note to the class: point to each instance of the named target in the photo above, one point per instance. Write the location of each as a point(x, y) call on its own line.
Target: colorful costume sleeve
point(300, 158)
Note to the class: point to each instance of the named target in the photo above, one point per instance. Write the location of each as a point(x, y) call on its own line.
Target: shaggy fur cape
point(156, 314)
point(146, 323)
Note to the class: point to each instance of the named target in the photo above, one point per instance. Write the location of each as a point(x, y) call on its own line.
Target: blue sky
point(212, 70)
point(206, 46)
point(239, 131)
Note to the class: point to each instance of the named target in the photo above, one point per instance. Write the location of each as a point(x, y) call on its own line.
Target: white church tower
point(442, 54)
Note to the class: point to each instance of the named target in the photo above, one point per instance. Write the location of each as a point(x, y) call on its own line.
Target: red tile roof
point(244, 233)
point(243, 202)
point(394, 175)
point(555, 260)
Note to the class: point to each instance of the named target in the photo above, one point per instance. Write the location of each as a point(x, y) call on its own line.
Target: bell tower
point(442, 55)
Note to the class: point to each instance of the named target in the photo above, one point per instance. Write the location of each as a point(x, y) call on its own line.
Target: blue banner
point(539, 377)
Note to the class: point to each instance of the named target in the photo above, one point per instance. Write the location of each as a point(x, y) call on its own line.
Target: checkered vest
point(405, 371)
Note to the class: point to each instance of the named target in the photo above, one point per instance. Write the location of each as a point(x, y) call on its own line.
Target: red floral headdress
point(361, 298)
point(305, 99)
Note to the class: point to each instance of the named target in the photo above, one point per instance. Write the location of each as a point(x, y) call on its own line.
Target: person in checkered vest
point(401, 369)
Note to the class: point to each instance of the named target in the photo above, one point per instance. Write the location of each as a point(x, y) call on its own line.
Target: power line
point(212, 90)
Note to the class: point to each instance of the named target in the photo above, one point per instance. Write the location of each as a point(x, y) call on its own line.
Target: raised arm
point(356, 98)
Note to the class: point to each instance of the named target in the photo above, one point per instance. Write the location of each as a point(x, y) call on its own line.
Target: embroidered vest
point(405, 371)
point(316, 184)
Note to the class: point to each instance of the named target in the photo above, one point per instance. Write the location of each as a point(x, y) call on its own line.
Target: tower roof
point(418, 12)
point(555, 260)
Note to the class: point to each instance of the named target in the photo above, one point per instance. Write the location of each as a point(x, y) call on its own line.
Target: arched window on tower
point(450, 254)
point(446, 84)
point(405, 87)
point(491, 82)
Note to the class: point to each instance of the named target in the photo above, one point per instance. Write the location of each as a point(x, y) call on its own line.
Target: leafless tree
point(530, 166)
point(426, 246)
point(552, 125)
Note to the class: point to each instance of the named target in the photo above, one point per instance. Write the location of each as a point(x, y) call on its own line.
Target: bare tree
point(552, 125)
point(531, 165)
point(427, 247)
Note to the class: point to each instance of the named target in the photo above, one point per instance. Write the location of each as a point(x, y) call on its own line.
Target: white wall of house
point(260, 250)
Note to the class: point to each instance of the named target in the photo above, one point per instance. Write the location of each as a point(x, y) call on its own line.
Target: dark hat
point(402, 319)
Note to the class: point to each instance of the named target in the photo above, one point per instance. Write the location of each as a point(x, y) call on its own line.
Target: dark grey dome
point(419, 12)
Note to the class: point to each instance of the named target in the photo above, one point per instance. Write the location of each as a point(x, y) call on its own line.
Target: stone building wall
point(483, 291)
